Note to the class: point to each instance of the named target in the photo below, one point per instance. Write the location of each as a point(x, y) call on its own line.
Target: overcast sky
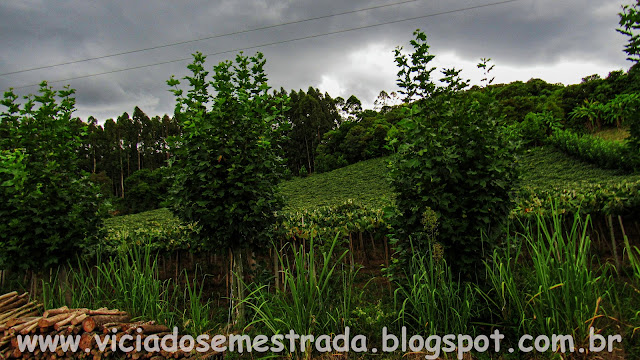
point(556, 40)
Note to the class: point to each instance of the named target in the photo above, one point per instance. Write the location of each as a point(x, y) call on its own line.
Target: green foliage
point(303, 172)
point(592, 112)
point(431, 300)
point(147, 189)
point(228, 162)
point(128, 282)
point(553, 181)
point(49, 208)
point(364, 138)
point(546, 168)
point(158, 228)
point(342, 221)
point(537, 126)
point(604, 153)
point(307, 303)
point(311, 115)
point(456, 161)
point(563, 293)
point(630, 23)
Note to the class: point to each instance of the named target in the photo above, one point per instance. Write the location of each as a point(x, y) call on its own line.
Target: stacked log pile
point(19, 316)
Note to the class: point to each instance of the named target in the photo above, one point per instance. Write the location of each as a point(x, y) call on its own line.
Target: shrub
point(303, 172)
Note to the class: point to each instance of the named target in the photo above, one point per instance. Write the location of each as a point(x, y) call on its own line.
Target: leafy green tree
point(146, 189)
point(228, 162)
point(453, 160)
point(50, 210)
point(630, 22)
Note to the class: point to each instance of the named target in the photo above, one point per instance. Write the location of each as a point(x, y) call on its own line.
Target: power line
point(217, 36)
point(280, 42)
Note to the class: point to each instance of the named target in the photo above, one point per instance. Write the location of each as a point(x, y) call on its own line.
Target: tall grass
point(130, 282)
point(196, 312)
point(506, 296)
point(634, 259)
point(431, 301)
point(565, 289)
point(307, 302)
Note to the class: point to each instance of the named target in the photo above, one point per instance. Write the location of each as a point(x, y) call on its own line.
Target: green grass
point(365, 182)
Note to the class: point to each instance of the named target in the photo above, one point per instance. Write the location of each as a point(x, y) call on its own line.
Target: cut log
point(97, 322)
point(54, 312)
point(7, 295)
point(151, 329)
point(65, 321)
point(78, 319)
point(13, 304)
point(27, 308)
point(50, 321)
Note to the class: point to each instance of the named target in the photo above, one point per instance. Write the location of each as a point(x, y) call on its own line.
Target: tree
point(228, 162)
point(630, 22)
point(50, 210)
point(454, 160)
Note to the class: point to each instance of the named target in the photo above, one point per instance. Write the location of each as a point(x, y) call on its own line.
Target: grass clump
point(566, 290)
point(308, 301)
point(431, 301)
point(130, 282)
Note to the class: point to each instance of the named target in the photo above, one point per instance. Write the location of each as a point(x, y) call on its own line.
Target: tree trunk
point(237, 289)
point(308, 154)
point(121, 179)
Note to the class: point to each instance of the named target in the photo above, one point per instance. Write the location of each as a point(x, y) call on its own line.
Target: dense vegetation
point(456, 209)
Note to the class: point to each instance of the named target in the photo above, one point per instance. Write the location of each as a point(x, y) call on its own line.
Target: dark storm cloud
point(526, 33)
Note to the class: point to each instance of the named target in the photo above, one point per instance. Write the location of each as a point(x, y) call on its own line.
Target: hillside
point(366, 182)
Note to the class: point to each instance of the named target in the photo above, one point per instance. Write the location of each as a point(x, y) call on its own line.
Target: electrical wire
point(280, 42)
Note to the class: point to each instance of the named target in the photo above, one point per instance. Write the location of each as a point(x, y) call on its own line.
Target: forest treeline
point(128, 156)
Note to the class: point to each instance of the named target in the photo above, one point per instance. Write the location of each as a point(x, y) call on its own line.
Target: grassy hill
point(366, 182)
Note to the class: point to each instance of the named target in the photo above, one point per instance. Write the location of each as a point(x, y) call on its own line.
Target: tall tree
point(227, 160)
point(48, 206)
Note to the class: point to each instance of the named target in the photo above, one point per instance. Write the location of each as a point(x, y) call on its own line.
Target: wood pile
point(20, 316)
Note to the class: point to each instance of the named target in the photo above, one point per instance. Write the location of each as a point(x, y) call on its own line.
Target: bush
point(303, 172)
point(535, 128)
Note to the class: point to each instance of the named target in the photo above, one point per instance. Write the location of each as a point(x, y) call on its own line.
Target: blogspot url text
point(433, 346)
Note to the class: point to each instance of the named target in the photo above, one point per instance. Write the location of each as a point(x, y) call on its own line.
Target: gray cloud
point(526, 34)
